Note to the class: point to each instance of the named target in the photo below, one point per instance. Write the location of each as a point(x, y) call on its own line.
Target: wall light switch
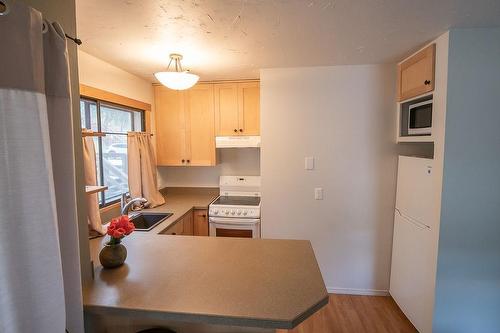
point(318, 193)
point(309, 163)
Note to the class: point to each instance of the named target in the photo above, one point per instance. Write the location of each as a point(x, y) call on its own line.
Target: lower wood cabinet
point(194, 222)
point(187, 221)
point(200, 222)
point(176, 229)
point(183, 226)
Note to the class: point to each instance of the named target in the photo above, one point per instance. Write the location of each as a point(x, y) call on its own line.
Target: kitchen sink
point(147, 221)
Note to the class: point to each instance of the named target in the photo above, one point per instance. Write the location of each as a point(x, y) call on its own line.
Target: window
point(111, 150)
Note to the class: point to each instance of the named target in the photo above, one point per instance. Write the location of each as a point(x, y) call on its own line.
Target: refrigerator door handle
point(413, 221)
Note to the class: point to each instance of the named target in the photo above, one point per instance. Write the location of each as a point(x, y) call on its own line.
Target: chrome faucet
point(125, 206)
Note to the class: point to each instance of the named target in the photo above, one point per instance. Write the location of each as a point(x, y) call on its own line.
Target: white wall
point(97, 73)
point(344, 116)
point(230, 162)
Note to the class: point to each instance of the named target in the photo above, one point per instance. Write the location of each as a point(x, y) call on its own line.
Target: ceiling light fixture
point(178, 79)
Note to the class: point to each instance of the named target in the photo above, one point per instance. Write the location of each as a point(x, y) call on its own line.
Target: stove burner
point(237, 201)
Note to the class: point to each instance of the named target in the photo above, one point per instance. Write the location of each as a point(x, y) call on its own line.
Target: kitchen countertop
point(178, 201)
point(221, 281)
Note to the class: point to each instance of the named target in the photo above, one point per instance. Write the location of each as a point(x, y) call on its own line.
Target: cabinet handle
point(241, 130)
point(183, 161)
point(427, 82)
point(188, 161)
point(203, 215)
point(235, 130)
point(174, 233)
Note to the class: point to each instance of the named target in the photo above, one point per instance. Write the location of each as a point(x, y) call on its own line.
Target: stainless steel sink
point(147, 221)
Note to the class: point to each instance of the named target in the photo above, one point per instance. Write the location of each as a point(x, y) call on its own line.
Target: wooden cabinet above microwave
point(416, 74)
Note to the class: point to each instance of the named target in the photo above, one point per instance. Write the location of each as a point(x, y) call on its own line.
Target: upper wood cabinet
point(187, 121)
point(185, 133)
point(200, 133)
point(237, 108)
point(170, 126)
point(249, 108)
point(416, 74)
point(226, 109)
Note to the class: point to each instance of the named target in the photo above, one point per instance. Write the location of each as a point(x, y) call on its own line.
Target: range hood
point(237, 141)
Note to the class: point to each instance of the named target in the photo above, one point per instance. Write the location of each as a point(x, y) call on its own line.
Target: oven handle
point(230, 220)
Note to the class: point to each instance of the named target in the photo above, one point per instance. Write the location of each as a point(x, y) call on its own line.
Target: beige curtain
point(142, 180)
point(89, 165)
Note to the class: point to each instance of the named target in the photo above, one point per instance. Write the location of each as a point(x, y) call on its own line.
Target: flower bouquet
point(113, 254)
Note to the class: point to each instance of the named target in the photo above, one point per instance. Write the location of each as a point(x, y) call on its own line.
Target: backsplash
point(230, 161)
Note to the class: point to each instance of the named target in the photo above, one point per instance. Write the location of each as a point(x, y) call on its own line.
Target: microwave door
point(420, 118)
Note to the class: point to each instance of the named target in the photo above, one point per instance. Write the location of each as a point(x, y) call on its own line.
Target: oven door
point(234, 227)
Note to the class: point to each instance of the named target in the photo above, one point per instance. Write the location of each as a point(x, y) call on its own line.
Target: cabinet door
point(416, 75)
point(200, 132)
point(187, 222)
point(170, 126)
point(249, 108)
point(200, 221)
point(226, 106)
point(176, 229)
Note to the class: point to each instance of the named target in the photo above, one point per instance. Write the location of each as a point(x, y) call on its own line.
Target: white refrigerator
point(414, 248)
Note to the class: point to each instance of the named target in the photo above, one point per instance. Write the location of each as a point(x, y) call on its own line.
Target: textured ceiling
point(230, 39)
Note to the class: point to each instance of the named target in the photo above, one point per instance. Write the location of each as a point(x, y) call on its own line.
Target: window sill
point(110, 207)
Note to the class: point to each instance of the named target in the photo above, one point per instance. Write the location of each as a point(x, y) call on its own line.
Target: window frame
point(88, 124)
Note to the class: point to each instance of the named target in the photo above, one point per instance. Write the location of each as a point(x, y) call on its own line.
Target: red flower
point(120, 227)
point(111, 229)
point(119, 233)
point(130, 228)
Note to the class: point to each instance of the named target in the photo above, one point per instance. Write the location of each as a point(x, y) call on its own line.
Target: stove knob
point(233, 212)
point(226, 212)
point(238, 212)
point(215, 211)
point(245, 212)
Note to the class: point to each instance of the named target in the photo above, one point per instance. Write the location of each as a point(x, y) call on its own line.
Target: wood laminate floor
point(350, 313)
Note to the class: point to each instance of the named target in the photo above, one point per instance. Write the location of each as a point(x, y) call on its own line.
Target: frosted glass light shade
point(177, 80)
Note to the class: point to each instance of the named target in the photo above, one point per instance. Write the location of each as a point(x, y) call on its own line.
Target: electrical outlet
point(318, 193)
point(309, 163)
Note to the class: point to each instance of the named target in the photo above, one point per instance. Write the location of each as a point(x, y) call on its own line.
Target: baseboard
point(349, 291)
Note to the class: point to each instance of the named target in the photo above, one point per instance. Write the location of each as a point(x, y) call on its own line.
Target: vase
point(113, 255)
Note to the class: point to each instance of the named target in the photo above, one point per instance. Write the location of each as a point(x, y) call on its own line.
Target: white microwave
point(420, 118)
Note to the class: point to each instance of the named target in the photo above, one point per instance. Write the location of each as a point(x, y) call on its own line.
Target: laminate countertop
point(220, 281)
point(178, 201)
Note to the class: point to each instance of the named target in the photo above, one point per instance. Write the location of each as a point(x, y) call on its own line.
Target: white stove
point(236, 212)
